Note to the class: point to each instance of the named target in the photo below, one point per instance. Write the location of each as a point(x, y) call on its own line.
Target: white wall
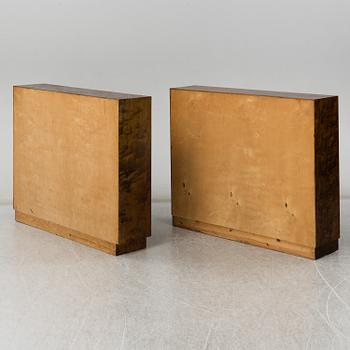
point(149, 46)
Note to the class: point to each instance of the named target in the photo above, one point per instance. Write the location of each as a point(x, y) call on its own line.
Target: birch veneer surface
point(260, 167)
point(82, 164)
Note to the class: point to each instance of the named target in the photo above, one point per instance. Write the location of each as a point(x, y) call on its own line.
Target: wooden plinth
point(82, 162)
point(107, 247)
point(257, 166)
point(257, 240)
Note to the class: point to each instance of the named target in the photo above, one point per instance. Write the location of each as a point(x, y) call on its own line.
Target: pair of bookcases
point(258, 167)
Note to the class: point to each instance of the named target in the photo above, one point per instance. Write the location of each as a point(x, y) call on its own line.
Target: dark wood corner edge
point(327, 188)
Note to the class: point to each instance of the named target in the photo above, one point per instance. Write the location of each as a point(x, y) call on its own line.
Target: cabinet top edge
point(81, 91)
point(293, 95)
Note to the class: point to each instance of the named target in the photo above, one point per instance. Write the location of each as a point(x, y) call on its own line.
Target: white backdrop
point(149, 46)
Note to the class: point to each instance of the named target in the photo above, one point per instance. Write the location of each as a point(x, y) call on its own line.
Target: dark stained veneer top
point(79, 91)
point(295, 95)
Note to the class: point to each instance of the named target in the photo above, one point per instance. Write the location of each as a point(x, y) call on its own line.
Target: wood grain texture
point(247, 162)
point(134, 172)
point(327, 170)
point(67, 162)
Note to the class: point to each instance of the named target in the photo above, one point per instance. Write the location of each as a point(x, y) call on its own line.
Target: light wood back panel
point(77, 184)
point(245, 162)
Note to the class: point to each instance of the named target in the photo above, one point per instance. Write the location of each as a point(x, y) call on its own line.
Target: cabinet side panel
point(134, 173)
point(327, 170)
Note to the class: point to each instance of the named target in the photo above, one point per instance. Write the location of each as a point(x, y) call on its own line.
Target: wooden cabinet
point(82, 161)
point(258, 167)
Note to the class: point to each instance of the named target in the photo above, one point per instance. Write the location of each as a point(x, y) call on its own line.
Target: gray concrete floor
point(185, 291)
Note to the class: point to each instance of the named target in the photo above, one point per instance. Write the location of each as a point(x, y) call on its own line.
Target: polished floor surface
point(185, 291)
